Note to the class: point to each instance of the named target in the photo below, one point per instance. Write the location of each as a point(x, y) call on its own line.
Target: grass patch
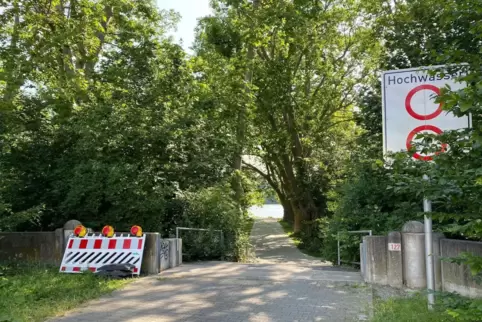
point(288, 229)
point(408, 310)
point(34, 293)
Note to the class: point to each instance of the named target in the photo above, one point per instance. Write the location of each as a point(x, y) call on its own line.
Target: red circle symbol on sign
point(419, 129)
point(408, 104)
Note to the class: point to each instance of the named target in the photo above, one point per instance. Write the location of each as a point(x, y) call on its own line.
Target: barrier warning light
point(80, 231)
point(108, 231)
point(136, 231)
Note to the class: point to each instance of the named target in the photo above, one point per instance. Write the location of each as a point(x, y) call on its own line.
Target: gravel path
point(272, 245)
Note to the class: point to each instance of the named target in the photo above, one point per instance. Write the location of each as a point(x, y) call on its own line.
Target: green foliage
point(420, 33)
point(372, 198)
point(293, 85)
point(407, 310)
point(382, 195)
point(448, 307)
point(454, 185)
point(243, 250)
point(115, 132)
point(105, 120)
point(461, 309)
point(34, 293)
point(213, 209)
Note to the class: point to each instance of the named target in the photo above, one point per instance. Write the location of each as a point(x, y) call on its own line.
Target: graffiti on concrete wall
point(164, 249)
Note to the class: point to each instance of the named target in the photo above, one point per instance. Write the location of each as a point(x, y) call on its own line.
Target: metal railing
point(221, 235)
point(369, 232)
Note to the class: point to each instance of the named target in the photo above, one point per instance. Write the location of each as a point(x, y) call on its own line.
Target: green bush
point(370, 199)
point(460, 308)
point(213, 209)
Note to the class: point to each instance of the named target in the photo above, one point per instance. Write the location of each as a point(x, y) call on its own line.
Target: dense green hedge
point(213, 209)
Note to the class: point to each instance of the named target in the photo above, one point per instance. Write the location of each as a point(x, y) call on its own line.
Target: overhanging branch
point(264, 176)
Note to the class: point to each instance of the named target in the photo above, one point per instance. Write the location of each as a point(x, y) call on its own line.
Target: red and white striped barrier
point(94, 251)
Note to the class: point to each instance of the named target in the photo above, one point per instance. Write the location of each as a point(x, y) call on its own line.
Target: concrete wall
point(42, 247)
point(150, 257)
point(48, 248)
point(170, 253)
point(457, 278)
point(160, 254)
point(363, 259)
point(380, 265)
point(413, 252)
point(395, 260)
point(376, 259)
point(437, 260)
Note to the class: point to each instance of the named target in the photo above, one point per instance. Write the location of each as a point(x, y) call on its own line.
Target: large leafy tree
point(104, 118)
point(309, 58)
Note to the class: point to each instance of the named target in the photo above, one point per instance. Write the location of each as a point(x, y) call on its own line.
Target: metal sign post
point(427, 209)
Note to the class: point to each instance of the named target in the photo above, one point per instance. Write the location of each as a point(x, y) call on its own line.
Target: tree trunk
point(288, 214)
point(297, 226)
point(304, 207)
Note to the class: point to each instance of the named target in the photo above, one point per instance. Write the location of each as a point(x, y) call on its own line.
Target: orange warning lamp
point(136, 231)
point(80, 231)
point(108, 231)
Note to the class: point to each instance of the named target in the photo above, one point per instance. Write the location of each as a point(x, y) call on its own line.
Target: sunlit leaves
point(117, 124)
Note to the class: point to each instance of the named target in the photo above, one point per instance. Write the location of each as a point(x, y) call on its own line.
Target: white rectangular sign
point(395, 247)
point(409, 107)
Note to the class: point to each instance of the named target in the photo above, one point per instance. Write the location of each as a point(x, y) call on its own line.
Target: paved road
point(229, 292)
point(273, 246)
